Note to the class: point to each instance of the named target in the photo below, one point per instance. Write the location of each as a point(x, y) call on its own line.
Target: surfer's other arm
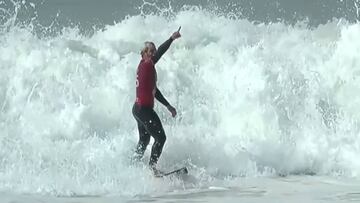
point(162, 100)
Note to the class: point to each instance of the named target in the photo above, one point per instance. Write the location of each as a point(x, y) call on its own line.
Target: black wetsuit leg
point(149, 124)
point(144, 139)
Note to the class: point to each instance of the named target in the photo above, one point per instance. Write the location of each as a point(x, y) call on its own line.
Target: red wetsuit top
point(146, 83)
point(146, 89)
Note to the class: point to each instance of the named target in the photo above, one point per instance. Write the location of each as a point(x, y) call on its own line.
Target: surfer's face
point(151, 49)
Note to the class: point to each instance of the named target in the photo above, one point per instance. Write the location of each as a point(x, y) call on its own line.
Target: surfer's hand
point(172, 110)
point(176, 35)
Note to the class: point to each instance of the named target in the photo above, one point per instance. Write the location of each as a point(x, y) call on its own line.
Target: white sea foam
point(253, 100)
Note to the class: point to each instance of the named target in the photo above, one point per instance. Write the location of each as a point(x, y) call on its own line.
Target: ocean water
point(268, 108)
point(50, 16)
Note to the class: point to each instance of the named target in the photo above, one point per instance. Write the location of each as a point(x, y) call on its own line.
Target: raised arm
point(161, 50)
point(165, 46)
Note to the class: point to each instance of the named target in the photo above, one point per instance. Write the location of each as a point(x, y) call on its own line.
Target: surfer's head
point(148, 50)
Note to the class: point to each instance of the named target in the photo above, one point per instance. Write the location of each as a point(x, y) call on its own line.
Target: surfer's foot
point(156, 171)
point(135, 159)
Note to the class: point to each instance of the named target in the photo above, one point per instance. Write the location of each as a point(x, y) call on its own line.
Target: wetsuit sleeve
point(161, 98)
point(161, 50)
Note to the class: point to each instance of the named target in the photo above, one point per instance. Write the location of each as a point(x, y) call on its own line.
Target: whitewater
point(266, 112)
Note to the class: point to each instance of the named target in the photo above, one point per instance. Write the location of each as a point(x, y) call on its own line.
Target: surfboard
point(179, 171)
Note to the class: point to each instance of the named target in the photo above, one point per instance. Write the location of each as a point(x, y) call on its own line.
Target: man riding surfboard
point(147, 120)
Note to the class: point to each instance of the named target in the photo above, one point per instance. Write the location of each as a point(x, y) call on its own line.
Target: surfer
point(147, 120)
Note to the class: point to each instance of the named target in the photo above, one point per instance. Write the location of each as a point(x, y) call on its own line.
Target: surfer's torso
point(146, 83)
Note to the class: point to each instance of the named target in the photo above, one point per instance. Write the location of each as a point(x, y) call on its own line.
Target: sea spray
point(252, 100)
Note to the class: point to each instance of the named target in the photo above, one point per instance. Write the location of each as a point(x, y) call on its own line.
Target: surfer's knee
point(145, 140)
point(159, 136)
point(161, 139)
